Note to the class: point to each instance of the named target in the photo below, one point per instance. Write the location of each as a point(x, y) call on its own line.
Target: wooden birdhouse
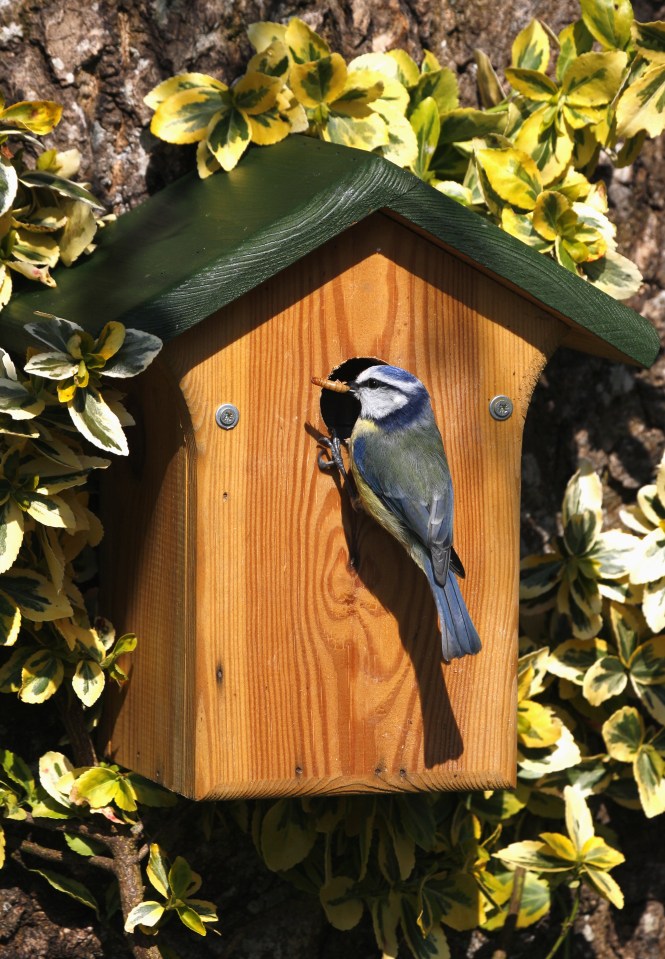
point(287, 644)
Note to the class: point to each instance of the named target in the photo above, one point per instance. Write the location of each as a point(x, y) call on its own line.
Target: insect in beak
point(337, 386)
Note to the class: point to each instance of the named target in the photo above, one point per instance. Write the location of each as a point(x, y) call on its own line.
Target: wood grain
point(269, 663)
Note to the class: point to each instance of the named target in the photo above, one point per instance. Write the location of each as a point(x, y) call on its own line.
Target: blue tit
point(401, 473)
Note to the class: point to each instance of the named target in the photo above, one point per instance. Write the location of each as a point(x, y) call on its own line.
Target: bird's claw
point(333, 448)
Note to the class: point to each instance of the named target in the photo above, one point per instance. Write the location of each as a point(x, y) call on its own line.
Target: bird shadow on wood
point(385, 569)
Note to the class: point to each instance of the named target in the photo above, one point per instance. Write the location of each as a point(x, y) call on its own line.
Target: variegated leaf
point(606, 886)
point(533, 765)
point(466, 123)
point(593, 80)
point(273, 61)
point(604, 679)
point(262, 34)
point(574, 40)
point(571, 660)
point(79, 231)
point(650, 40)
point(36, 116)
point(59, 184)
point(402, 146)
point(532, 84)
point(287, 835)
point(426, 126)
point(512, 174)
point(614, 274)
point(228, 137)
point(41, 676)
point(318, 81)
point(146, 914)
point(11, 534)
point(537, 725)
point(626, 629)
point(642, 104)
point(180, 83)
point(615, 554)
point(35, 596)
point(185, 116)
point(88, 682)
point(54, 331)
point(255, 92)
point(531, 48)
point(432, 946)
point(407, 69)
point(50, 510)
point(441, 86)
point(303, 43)
point(10, 620)
point(609, 21)
point(97, 422)
point(8, 185)
point(623, 733)
point(342, 908)
point(385, 911)
point(367, 134)
point(533, 855)
point(647, 663)
point(649, 768)
point(653, 700)
point(137, 352)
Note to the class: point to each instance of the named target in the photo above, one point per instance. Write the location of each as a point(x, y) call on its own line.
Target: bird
point(400, 470)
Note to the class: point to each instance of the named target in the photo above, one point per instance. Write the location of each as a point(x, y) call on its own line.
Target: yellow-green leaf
point(606, 886)
point(41, 676)
point(533, 855)
point(532, 84)
point(263, 33)
point(598, 854)
point(609, 21)
point(303, 43)
point(604, 679)
point(185, 116)
point(650, 40)
point(179, 83)
point(593, 79)
point(623, 733)
point(648, 769)
point(537, 725)
point(255, 92)
point(343, 910)
point(407, 68)
point(465, 123)
point(642, 105)
point(318, 81)
point(574, 40)
point(559, 846)
point(531, 48)
point(273, 61)
point(366, 134)
point(548, 210)
point(37, 116)
point(512, 174)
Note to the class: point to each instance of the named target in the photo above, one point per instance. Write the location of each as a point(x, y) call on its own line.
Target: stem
point(567, 924)
point(126, 861)
point(61, 857)
point(513, 912)
point(73, 719)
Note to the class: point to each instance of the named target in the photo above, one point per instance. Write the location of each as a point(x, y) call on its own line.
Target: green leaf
point(83, 846)
point(609, 21)
point(287, 835)
point(71, 887)
point(623, 733)
point(147, 913)
point(465, 123)
point(17, 770)
point(531, 48)
point(149, 793)
point(183, 881)
point(51, 181)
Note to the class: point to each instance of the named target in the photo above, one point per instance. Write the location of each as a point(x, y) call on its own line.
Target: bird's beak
point(337, 386)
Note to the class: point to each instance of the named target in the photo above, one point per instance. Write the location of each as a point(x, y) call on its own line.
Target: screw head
point(227, 416)
point(501, 407)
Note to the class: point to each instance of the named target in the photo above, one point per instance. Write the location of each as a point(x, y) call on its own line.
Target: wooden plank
point(198, 245)
point(306, 673)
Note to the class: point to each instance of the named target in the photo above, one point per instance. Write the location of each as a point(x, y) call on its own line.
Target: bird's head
point(385, 392)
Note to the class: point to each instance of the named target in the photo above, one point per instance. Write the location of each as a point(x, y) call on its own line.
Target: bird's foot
point(330, 457)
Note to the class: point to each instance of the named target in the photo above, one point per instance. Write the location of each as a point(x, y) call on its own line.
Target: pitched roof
point(197, 245)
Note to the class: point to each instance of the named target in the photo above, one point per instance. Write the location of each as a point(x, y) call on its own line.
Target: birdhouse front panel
point(288, 644)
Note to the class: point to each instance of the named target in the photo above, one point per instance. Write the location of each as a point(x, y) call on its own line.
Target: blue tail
point(458, 634)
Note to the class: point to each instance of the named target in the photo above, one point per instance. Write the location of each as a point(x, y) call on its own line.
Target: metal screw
point(501, 407)
point(227, 416)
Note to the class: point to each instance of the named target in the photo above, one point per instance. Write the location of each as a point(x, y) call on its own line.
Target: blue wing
point(412, 480)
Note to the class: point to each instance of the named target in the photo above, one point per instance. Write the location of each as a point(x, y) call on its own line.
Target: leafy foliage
point(525, 160)
point(45, 216)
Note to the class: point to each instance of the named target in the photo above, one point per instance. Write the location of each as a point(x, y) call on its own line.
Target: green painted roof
point(197, 245)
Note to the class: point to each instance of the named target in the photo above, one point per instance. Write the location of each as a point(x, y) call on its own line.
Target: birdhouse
point(287, 644)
